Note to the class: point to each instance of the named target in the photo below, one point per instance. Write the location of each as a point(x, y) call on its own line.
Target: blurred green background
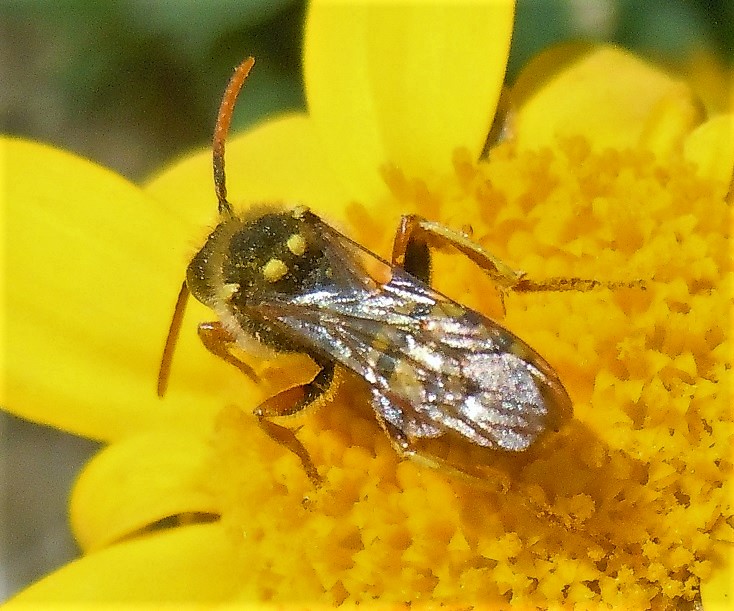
point(134, 84)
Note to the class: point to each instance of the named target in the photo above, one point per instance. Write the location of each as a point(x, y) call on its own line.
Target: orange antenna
point(224, 118)
point(164, 372)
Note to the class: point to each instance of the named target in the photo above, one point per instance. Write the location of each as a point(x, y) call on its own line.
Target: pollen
point(274, 270)
point(227, 291)
point(296, 244)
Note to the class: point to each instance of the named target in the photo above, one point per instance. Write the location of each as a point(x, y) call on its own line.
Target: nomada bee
point(434, 368)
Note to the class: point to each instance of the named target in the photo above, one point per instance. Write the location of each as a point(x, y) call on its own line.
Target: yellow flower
point(609, 172)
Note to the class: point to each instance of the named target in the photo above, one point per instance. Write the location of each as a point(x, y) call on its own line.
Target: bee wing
point(432, 366)
point(464, 373)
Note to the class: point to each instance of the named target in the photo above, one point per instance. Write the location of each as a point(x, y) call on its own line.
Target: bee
point(433, 368)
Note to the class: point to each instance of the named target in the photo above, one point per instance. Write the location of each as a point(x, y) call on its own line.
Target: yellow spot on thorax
point(296, 244)
point(274, 270)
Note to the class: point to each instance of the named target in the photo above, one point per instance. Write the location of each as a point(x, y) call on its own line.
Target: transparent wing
point(432, 365)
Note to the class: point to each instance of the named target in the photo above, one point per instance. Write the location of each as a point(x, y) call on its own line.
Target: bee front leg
point(219, 341)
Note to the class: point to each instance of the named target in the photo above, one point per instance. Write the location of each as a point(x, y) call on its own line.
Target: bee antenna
point(164, 371)
point(224, 118)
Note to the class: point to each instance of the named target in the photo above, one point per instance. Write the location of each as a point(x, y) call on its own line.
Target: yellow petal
point(194, 564)
point(405, 83)
point(90, 279)
point(711, 148)
point(139, 481)
point(281, 160)
point(607, 95)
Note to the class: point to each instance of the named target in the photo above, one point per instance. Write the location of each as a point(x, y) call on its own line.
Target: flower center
point(644, 466)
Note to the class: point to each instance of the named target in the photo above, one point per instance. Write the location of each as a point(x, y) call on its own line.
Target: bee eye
point(198, 275)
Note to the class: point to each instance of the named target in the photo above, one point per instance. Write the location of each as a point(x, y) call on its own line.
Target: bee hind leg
point(411, 449)
point(415, 234)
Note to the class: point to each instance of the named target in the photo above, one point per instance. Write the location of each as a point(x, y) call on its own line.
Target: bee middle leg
point(290, 402)
point(219, 342)
point(411, 252)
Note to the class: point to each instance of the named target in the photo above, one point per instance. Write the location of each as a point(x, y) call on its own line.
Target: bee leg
point(218, 341)
point(415, 234)
point(406, 448)
point(164, 371)
point(494, 480)
point(292, 401)
point(287, 438)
